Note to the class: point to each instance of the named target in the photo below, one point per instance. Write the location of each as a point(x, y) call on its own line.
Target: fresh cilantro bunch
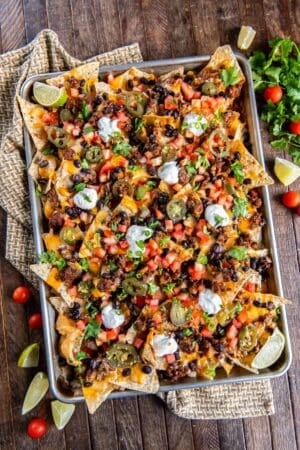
point(281, 66)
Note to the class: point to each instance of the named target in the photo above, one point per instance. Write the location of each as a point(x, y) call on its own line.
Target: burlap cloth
point(44, 54)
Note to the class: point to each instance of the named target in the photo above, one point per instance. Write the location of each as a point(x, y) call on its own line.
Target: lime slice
point(286, 171)
point(29, 356)
point(61, 413)
point(246, 37)
point(270, 352)
point(36, 391)
point(47, 95)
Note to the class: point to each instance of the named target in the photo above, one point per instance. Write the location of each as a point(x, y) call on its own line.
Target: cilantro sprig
point(280, 67)
point(230, 76)
point(50, 257)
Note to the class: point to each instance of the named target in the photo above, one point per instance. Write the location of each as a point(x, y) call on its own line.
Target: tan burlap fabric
point(44, 54)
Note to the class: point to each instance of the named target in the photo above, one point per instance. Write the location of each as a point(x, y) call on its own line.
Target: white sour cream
point(112, 318)
point(209, 301)
point(168, 172)
point(196, 123)
point(136, 234)
point(86, 199)
point(107, 127)
point(216, 216)
point(163, 345)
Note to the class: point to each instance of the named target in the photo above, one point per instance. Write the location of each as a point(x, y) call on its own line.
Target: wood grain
point(163, 29)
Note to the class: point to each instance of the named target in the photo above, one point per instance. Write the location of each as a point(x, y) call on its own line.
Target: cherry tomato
point(295, 127)
point(37, 428)
point(291, 199)
point(21, 294)
point(35, 321)
point(273, 94)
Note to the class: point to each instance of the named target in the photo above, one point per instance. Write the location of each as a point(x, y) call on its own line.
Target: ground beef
point(89, 176)
point(56, 221)
point(187, 344)
point(68, 153)
point(52, 197)
point(70, 274)
point(183, 176)
point(175, 373)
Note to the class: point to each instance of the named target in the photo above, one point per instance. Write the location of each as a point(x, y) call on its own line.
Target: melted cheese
point(53, 279)
point(52, 241)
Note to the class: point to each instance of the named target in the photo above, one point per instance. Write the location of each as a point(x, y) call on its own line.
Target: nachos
point(154, 218)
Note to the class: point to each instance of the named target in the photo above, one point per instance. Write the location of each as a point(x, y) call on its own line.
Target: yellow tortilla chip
point(224, 57)
point(96, 394)
point(148, 355)
point(263, 298)
point(59, 304)
point(91, 238)
point(179, 72)
point(32, 114)
point(138, 380)
point(252, 169)
point(70, 340)
point(236, 362)
point(49, 274)
point(120, 82)
point(83, 72)
point(233, 288)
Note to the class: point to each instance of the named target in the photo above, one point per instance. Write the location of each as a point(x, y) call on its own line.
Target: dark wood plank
point(2, 231)
point(60, 20)
point(156, 16)
point(252, 13)
point(132, 24)
point(128, 424)
point(153, 423)
point(205, 26)
point(231, 434)
point(180, 435)
point(229, 21)
point(103, 427)
point(205, 434)
point(77, 432)
point(12, 14)
point(107, 14)
point(35, 15)
point(181, 25)
point(257, 433)
point(282, 18)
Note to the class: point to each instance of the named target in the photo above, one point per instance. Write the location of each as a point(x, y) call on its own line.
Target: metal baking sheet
point(275, 285)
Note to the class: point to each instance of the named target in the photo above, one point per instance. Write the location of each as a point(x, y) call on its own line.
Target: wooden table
point(163, 29)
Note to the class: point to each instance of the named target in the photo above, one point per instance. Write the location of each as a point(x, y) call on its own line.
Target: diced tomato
point(106, 154)
point(250, 287)
point(73, 291)
point(102, 336)
point(99, 252)
point(157, 318)
point(153, 302)
point(106, 168)
point(152, 265)
point(178, 235)
point(190, 148)
point(205, 332)
point(197, 271)
point(232, 332)
point(187, 90)
point(169, 225)
point(175, 266)
point(138, 342)
point(122, 119)
point(243, 317)
point(184, 296)
point(170, 103)
point(158, 214)
point(112, 334)
point(170, 358)
point(80, 324)
point(122, 228)
point(98, 318)
point(197, 95)
point(113, 250)
point(50, 118)
point(123, 244)
point(237, 323)
point(109, 240)
point(233, 343)
point(74, 92)
point(140, 301)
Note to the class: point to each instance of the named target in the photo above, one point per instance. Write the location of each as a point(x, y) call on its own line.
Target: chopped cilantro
point(168, 288)
point(85, 164)
point(81, 355)
point(202, 259)
point(152, 288)
point(79, 187)
point(238, 252)
point(86, 197)
point(92, 330)
point(218, 219)
point(240, 207)
point(164, 241)
point(154, 224)
point(238, 308)
point(230, 76)
point(85, 111)
point(187, 332)
point(237, 169)
point(122, 148)
point(92, 309)
point(112, 265)
point(84, 264)
point(138, 124)
point(88, 130)
point(51, 258)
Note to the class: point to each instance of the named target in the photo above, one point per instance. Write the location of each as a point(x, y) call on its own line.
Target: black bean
point(97, 100)
point(147, 369)
point(177, 355)
point(43, 163)
point(247, 181)
point(105, 96)
point(106, 275)
point(62, 362)
point(162, 198)
point(207, 284)
point(179, 334)
point(73, 212)
point(151, 170)
point(130, 84)
point(237, 155)
point(193, 365)
point(77, 163)
point(126, 372)
point(87, 383)
point(235, 276)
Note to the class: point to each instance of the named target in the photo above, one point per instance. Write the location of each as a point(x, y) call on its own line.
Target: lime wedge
point(36, 391)
point(246, 37)
point(61, 413)
point(286, 171)
point(47, 95)
point(270, 352)
point(29, 356)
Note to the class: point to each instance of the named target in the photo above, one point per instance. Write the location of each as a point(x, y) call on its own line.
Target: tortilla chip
point(84, 72)
point(70, 340)
point(32, 114)
point(151, 119)
point(252, 169)
point(49, 274)
point(148, 355)
point(59, 304)
point(120, 81)
point(263, 298)
point(138, 380)
point(90, 240)
point(102, 87)
point(236, 362)
point(233, 288)
point(179, 72)
point(224, 57)
point(96, 394)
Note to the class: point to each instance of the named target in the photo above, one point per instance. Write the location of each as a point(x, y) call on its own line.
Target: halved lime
point(47, 95)
point(286, 171)
point(30, 356)
point(61, 413)
point(36, 391)
point(270, 352)
point(246, 37)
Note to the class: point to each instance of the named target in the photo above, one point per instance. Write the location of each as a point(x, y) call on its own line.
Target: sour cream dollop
point(163, 345)
point(86, 199)
point(209, 301)
point(112, 318)
point(168, 172)
point(196, 123)
point(216, 216)
point(136, 234)
point(107, 127)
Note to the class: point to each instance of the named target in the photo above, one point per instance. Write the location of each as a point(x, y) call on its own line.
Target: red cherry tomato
point(273, 94)
point(295, 127)
point(37, 428)
point(291, 199)
point(35, 321)
point(21, 294)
